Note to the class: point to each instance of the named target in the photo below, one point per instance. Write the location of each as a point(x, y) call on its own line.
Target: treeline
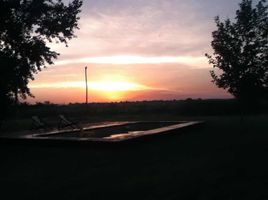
point(188, 107)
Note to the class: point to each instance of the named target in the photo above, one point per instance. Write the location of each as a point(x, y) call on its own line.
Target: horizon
point(126, 102)
point(136, 51)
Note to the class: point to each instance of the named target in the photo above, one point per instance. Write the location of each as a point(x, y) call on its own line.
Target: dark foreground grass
point(221, 160)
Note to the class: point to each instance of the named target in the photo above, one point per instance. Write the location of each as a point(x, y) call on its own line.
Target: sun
point(111, 90)
point(113, 95)
point(115, 90)
point(115, 86)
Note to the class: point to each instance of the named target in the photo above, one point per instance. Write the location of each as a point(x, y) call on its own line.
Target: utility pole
point(86, 85)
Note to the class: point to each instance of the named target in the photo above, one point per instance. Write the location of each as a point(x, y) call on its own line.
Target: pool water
point(115, 131)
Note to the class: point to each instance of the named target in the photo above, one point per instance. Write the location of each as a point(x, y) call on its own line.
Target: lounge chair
point(65, 122)
point(38, 123)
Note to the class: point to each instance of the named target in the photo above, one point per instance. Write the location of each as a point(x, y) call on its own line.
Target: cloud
point(147, 28)
point(98, 86)
point(126, 60)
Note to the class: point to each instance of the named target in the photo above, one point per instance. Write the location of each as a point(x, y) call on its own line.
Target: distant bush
point(188, 107)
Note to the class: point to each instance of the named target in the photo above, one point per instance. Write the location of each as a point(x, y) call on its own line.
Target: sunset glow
point(116, 86)
point(150, 50)
point(98, 86)
point(109, 90)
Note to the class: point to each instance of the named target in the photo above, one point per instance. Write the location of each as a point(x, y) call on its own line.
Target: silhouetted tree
point(241, 52)
point(26, 26)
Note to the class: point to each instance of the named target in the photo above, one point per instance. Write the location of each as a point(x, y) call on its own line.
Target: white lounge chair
point(65, 122)
point(38, 123)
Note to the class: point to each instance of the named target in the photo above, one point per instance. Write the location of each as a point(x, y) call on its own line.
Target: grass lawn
point(221, 160)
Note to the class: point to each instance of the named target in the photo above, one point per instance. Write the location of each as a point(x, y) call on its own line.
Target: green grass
point(222, 160)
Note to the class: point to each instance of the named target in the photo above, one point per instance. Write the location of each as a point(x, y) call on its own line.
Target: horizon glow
point(136, 50)
point(98, 86)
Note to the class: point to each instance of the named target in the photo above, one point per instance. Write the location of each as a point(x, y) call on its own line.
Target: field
point(224, 159)
point(19, 118)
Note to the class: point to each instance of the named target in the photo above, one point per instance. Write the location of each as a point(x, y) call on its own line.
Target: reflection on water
point(112, 130)
point(125, 131)
point(124, 135)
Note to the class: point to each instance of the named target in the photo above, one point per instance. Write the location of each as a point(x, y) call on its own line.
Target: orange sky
point(136, 50)
point(131, 82)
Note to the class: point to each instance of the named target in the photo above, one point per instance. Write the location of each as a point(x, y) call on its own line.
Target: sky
point(136, 50)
